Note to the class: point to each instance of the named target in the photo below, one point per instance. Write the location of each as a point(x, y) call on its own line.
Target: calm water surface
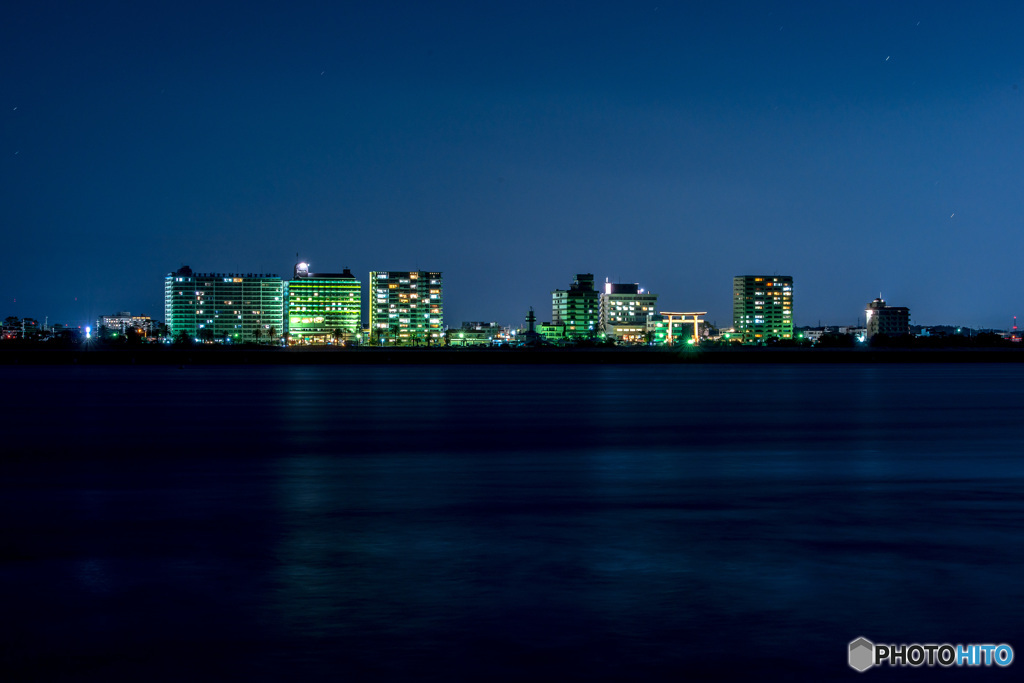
point(506, 523)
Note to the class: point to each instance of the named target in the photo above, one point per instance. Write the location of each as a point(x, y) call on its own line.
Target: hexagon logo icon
point(862, 654)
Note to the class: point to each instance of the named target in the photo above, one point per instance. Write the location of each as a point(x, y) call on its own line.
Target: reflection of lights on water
point(93, 575)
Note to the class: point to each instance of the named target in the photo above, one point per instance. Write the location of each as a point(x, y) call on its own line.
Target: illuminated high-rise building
point(577, 307)
point(893, 321)
point(762, 307)
point(324, 307)
point(624, 311)
point(225, 307)
point(406, 308)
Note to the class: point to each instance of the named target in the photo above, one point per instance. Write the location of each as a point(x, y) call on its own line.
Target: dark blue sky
point(857, 146)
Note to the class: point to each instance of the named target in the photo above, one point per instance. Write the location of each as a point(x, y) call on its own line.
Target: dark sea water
point(533, 523)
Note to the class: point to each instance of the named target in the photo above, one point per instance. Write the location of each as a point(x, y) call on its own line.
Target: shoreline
point(496, 356)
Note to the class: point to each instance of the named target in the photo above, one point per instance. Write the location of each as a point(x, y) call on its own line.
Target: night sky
point(861, 147)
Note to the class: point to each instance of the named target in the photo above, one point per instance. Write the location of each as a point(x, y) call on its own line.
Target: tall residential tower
point(406, 308)
point(577, 307)
point(324, 307)
point(224, 307)
point(762, 307)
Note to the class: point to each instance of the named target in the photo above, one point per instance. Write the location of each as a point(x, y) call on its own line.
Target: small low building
point(813, 334)
point(124, 321)
point(553, 332)
point(656, 331)
point(478, 334)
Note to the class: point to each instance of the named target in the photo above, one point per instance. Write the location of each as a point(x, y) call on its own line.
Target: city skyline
point(364, 306)
point(858, 147)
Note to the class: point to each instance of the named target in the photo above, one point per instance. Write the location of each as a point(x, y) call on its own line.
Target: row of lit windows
point(321, 284)
point(351, 295)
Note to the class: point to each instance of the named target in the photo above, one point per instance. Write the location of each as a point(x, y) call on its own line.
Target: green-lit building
point(762, 307)
point(479, 334)
point(224, 307)
point(657, 329)
point(553, 332)
point(406, 308)
point(324, 307)
point(577, 307)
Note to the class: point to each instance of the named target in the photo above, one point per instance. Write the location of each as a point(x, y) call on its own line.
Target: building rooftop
point(343, 275)
point(185, 271)
point(621, 288)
